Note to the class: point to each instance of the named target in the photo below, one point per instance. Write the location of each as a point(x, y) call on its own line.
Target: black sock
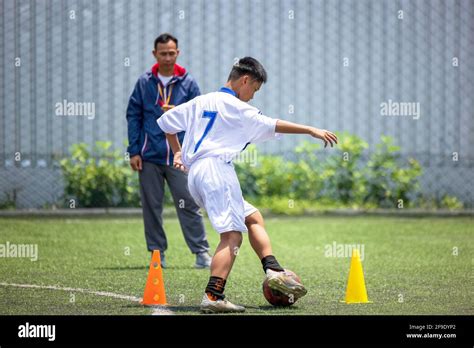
point(271, 262)
point(215, 287)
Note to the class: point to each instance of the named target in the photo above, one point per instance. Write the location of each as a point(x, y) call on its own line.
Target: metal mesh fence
point(341, 65)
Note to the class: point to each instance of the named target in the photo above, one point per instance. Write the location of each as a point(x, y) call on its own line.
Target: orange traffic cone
point(356, 291)
point(155, 287)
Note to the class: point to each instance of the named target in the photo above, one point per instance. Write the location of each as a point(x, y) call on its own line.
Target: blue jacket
point(144, 107)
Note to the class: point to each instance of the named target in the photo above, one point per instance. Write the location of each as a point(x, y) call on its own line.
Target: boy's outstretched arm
point(295, 128)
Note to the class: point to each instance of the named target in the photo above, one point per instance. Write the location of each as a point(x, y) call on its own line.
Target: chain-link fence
point(404, 69)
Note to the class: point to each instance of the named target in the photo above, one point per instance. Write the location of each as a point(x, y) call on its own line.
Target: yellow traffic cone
point(356, 291)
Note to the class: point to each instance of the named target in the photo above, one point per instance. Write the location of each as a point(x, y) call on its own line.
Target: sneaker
point(282, 282)
point(220, 306)
point(162, 257)
point(163, 260)
point(203, 260)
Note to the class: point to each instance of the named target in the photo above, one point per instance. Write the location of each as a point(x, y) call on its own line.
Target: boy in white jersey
point(218, 127)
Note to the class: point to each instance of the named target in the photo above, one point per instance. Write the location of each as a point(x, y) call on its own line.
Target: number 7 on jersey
point(211, 115)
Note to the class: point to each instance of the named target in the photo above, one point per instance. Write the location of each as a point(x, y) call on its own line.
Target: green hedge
point(99, 178)
point(346, 177)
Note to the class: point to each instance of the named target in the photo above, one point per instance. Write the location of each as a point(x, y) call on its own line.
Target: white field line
point(157, 310)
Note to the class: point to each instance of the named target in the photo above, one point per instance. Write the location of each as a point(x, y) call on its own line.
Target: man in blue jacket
point(167, 84)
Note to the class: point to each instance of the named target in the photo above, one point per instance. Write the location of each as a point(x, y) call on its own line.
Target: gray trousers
point(152, 188)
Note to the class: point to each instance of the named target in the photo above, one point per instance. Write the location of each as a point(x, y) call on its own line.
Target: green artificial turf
point(411, 266)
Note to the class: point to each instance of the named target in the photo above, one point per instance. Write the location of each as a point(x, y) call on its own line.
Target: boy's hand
point(136, 162)
point(324, 135)
point(177, 163)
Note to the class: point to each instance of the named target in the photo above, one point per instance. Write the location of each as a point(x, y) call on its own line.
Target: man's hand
point(324, 135)
point(136, 162)
point(166, 107)
point(177, 163)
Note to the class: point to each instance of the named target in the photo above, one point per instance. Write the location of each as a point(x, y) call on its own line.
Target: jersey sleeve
point(257, 126)
point(175, 120)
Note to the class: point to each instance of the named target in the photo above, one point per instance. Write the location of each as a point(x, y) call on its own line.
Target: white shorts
point(215, 187)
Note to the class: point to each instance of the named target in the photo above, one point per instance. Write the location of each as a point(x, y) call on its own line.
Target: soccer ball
point(277, 298)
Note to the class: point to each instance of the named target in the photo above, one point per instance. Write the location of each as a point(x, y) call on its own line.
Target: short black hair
point(248, 66)
point(164, 38)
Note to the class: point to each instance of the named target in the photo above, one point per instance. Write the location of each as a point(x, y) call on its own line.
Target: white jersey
point(217, 124)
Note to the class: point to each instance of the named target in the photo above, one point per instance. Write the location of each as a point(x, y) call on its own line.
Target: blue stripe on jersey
point(228, 90)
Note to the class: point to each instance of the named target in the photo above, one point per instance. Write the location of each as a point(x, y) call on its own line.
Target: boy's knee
point(233, 238)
